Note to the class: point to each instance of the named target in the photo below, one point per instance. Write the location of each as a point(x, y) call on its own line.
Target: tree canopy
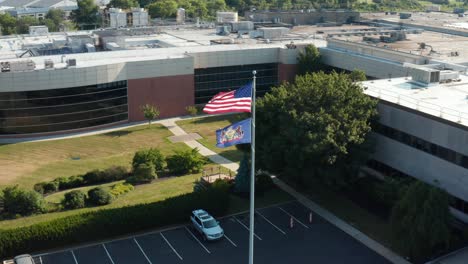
point(421, 219)
point(162, 9)
point(319, 124)
point(124, 4)
point(86, 14)
point(309, 60)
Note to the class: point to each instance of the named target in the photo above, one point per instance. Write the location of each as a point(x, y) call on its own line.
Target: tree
point(123, 4)
point(215, 5)
point(315, 128)
point(54, 19)
point(86, 14)
point(151, 155)
point(22, 202)
point(23, 24)
point(358, 75)
point(74, 200)
point(7, 24)
point(421, 219)
point(162, 9)
point(309, 60)
point(242, 181)
point(99, 196)
point(150, 112)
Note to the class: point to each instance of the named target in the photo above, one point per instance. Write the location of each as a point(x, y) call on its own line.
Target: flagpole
point(252, 173)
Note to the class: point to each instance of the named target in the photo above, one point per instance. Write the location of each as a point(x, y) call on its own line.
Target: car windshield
point(210, 223)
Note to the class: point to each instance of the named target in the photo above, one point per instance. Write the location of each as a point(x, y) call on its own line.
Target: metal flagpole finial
point(254, 72)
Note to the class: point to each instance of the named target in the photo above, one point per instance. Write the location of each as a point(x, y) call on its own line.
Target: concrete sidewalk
point(345, 227)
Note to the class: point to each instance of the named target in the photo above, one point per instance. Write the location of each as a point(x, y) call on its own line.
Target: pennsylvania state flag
point(238, 133)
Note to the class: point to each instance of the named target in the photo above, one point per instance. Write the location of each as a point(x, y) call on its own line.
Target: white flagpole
point(252, 173)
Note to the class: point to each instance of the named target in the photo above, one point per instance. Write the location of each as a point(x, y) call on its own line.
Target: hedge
point(107, 223)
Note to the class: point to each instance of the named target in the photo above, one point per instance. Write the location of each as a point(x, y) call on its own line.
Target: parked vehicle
point(206, 225)
point(21, 259)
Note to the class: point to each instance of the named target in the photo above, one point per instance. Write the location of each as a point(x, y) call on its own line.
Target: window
point(210, 81)
point(63, 109)
point(421, 144)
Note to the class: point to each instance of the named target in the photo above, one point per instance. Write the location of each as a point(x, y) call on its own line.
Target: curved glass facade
point(63, 109)
point(210, 81)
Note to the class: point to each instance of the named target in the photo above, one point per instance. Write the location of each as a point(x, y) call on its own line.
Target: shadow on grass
point(119, 133)
point(230, 118)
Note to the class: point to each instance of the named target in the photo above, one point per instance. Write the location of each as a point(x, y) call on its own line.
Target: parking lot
point(275, 242)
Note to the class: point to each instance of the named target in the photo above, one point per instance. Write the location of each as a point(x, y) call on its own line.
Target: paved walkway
point(374, 245)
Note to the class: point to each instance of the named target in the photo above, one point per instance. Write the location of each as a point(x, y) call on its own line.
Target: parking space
point(283, 233)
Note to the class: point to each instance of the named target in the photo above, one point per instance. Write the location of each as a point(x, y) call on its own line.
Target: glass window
point(63, 109)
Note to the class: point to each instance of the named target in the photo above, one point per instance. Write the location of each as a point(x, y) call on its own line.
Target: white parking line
point(277, 228)
point(293, 217)
point(242, 224)
point(74, 258)
point(107, 252)
point(144, 254)
point(40, 259)
point(173, 249)
point(197, 240)
point(234, 244)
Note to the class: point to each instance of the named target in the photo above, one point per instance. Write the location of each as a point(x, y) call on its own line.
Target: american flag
point(239, 100)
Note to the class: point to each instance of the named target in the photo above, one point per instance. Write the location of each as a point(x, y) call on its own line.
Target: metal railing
point(419, 105)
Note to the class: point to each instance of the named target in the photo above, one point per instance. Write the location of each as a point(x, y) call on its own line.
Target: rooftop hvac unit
point(48, 64)
point(71, 62)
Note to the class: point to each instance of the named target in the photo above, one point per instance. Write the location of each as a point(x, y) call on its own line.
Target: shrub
point(114, 173)
point(73, 182)
point(62, 182)
point(191, 110)
point(106, 223)
point(223, 185)
point(263, 182)
point(121, 188)
point(184, 162)
point(39, 187)
point(99, 196)
point(92, 177)
point(151, 155)
point(144, 173)
point(74, 200)
point(51, 187)
point(22, 202)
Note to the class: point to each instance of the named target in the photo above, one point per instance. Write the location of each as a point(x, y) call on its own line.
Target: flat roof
point(433, 19)
point(448, 100)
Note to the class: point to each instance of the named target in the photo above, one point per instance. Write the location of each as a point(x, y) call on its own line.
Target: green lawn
point(206, 127)
point(147, 193)
point(28, 163)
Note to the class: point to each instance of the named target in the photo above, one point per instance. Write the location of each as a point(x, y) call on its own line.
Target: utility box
point(38, 30)
point(226, 17)
point(180, 18)
point(405, 15)
point(117, 17)
point(241, 26)
point(140, 17)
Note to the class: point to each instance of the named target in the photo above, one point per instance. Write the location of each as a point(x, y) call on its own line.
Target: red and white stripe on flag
point(225, 102)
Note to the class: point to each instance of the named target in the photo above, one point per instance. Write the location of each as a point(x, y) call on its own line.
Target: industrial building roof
point(17, 3)
point(445, 100)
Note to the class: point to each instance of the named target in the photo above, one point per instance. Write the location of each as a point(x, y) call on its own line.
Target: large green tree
point(124, 4)
point(7, 24)
point(421, 219)
point(86, 16)
point(23, 24)
point(309, 60)
point(162, 9)
point(316, 128)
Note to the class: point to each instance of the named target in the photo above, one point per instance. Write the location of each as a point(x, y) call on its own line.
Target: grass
point(206, 127)
point(25, 164)
point(158, 190)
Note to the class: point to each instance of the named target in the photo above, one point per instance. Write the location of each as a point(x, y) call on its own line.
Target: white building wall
point(446, 134)
point(423, 166)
